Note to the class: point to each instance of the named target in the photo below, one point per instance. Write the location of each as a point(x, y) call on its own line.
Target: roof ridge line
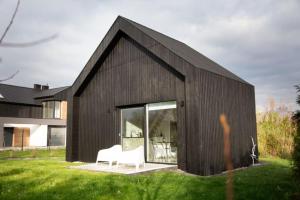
point(237, 77)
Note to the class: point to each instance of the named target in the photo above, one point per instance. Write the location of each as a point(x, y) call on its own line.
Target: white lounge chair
point(109, 155)
point(132, 157)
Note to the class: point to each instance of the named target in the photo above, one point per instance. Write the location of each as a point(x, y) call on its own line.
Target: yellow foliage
point(275, 134)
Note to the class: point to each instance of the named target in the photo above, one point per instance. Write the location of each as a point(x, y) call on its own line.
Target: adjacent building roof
point(50, 92)
point(25, 95)
point(17, 94)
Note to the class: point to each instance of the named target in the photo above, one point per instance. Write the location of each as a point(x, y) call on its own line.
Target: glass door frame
point(145, 106)
point(121, 123)
point(147, 133)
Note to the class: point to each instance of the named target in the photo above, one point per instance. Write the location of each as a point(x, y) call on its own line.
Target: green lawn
point(57, 154)
point(44, 178)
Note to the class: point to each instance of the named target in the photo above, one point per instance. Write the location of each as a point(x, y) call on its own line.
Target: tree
point(19, 45)
point(296, 153)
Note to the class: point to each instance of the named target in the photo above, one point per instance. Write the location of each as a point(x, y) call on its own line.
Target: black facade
point(134, 65)
point(20, 110)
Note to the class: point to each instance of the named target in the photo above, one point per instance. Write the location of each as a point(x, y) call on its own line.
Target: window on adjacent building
point(56, 136)
point(51, 109)
point(57, 109)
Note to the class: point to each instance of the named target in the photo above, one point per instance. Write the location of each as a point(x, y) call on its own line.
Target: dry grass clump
point(276, 131)
point(33, 153)
point(11, 154)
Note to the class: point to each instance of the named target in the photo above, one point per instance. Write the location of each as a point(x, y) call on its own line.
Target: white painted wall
point(38, 135)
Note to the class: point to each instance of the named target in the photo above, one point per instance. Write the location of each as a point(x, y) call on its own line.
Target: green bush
point(276, 131)
point(296, 152)
point(296, 155)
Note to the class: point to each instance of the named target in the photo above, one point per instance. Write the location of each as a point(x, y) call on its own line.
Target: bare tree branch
point(10, 77)
point(28, 44)
point(22, 44)
point(10, 22)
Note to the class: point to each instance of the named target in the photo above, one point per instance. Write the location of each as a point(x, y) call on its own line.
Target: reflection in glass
point(51, 109)
point(132, 123)
point(162, 132)
point(57, 136)
point(57, 109)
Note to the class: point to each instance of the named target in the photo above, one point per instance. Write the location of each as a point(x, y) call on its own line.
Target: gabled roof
point(25, 95)
point(133, 30)
point(186, 52)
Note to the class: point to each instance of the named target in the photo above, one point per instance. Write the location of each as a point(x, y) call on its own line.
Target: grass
point(53, 153)
point(45, 178)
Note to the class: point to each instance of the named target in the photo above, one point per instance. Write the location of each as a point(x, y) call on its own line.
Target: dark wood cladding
point(20, 110)
point(134, 69)
point(129, 75)
point(63, 95)
point(208, 96)
point(72, 129)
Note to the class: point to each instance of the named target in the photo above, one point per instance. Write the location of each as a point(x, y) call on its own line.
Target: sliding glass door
point(162, 132)
point(132, 127)
point(153, 126)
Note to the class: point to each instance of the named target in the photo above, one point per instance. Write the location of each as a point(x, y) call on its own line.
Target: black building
point(141, 87)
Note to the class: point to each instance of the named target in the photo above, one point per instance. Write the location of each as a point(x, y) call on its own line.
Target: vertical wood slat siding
point(200, 163)
point(130, 75)
point(72, 146)
point(127, 76)
point(18, 110)
point(211, 96)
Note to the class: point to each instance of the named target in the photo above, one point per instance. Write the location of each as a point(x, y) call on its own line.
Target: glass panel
point(162, 132)
point(8, 136)
point(57, 136)
point(57, 109)
point(51, 109)
point(132, 123)
point(44, 109)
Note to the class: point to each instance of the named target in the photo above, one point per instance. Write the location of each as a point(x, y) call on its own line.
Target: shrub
point(276, 131)
point(11, 154)
point(296, 155)
point(296, 152)
point(33, 153)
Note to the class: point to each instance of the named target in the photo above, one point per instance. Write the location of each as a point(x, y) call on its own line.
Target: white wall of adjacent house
point(38, 135)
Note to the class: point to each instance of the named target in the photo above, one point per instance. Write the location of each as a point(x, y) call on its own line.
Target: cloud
point(257, 40)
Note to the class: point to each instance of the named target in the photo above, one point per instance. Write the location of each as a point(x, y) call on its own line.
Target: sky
point(257, 40)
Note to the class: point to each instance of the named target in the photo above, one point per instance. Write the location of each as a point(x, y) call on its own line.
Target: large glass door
point(154, 123)
point(132, 127)
point(161, 121)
